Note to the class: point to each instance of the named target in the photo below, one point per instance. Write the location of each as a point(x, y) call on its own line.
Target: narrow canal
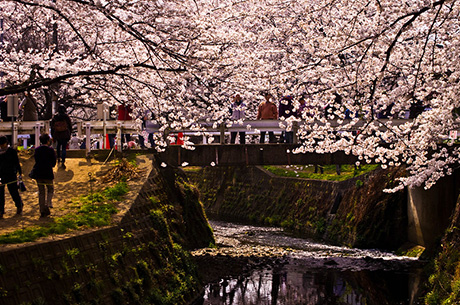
point(264, 265)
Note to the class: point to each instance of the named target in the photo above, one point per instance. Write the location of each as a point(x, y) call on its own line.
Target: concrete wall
point(429, 211)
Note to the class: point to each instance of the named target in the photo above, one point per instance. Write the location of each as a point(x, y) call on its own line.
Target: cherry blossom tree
point(361, 66)
point(138, 52)
point(382, 58)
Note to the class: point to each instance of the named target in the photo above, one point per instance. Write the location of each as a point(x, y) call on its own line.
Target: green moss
point(414, 251)
point(288, 224)
point(307, 172)
point(320, 226)
point(445, 280)
point(160, 223)
point(272, 221)
point(3, 292)
point(73, 253)
point(192, 169)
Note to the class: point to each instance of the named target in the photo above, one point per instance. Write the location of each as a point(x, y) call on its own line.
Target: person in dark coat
point(286, 110)
point(10, 168)
point(61, 128)
point(45, 160)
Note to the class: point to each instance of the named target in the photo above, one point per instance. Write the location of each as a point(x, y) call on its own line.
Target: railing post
point(222, 133)
point(104, 128)
point(119, 133)
point(79, 129)
point(14, 136)
point(295, 128)
point(46, 126)
point(88, 138)
point(37, 134)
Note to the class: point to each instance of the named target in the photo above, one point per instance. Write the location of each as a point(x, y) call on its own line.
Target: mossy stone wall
point(355, 212)
point(444, 282)
point(141, 260)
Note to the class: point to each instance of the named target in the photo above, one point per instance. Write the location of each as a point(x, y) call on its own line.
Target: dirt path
point(72, 182)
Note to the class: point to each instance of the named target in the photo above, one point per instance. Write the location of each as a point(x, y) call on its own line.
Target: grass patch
point(89, 211)
point(192, 168)
point(329, 173)
point(413, 251)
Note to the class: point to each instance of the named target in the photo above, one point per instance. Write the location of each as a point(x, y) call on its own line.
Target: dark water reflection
point(298, 285)
point(313, 277)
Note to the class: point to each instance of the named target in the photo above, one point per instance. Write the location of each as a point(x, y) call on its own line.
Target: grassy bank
point(329, 171)
point(94, 210)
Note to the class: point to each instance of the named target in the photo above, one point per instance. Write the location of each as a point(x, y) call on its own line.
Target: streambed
point(265, 265)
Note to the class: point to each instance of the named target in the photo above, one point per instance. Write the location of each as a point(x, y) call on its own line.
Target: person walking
point(61, 128)
point(10, 168)
point(267, 111)
point(238, 108)
point(45, 160)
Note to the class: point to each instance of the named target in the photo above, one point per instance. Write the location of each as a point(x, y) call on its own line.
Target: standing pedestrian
point(150, 126)
point(286, 110)
point(45, 160)
point(61, 128)
point(267, 111)
point(238, 108)
point(147, 130)
point(30, 113)
point(10, 168)
point(74, 142)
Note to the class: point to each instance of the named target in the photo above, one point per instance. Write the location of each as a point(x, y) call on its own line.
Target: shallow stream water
point(265, 265)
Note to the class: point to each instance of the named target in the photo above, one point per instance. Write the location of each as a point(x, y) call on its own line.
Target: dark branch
point(44, 82)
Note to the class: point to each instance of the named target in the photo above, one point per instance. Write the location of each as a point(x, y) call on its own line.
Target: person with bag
point(61, 128)
point(10, 168)
point(42, 172)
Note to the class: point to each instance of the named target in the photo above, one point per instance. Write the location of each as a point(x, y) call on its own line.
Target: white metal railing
point(15, 129)
point(205, 129)
point(88, 128)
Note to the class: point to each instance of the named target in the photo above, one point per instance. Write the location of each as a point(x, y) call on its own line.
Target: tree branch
point(39, 83)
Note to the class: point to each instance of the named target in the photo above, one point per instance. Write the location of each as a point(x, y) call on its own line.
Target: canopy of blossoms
point(354, 62)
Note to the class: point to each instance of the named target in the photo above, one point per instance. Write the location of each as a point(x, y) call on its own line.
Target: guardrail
point(204, 129)
point(88, 128)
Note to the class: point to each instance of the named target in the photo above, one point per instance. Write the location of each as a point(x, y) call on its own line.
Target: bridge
point(248, 154)
point(96, 130)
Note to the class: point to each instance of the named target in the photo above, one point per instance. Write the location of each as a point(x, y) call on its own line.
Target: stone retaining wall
point(134, 260)
point(355, 212)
